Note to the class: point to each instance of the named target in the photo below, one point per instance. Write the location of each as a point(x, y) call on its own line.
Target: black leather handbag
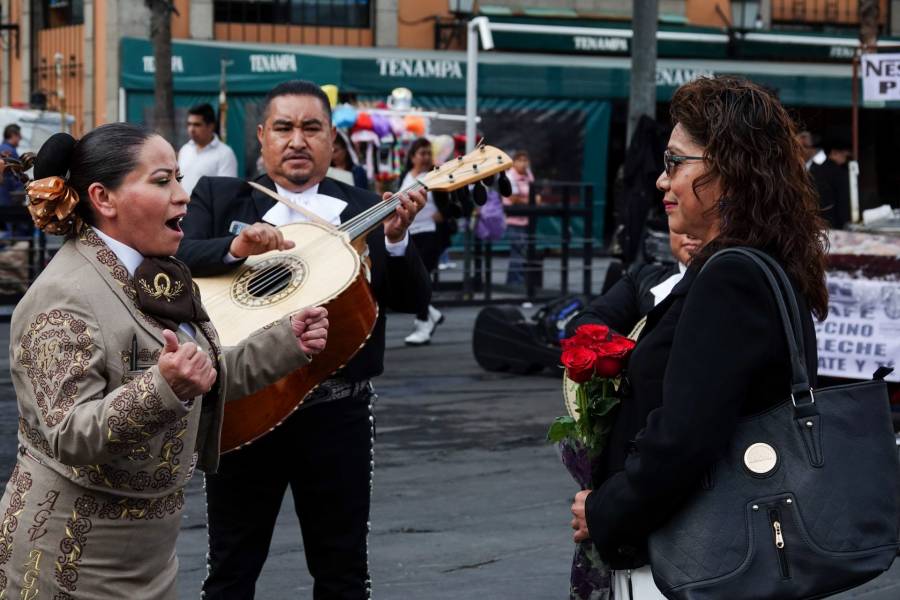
point(806, 501)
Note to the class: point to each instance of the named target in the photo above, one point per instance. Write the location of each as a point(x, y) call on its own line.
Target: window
point(60, 13)
point(323, 13)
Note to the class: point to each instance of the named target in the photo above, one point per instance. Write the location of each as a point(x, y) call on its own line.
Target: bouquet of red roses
point(594, 359)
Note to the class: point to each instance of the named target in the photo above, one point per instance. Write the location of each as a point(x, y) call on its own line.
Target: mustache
point(293, 155)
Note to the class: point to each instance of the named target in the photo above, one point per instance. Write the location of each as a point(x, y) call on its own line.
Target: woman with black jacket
point(713, 350)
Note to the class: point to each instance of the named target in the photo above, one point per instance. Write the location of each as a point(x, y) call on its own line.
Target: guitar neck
point(363, 223)
point(482, 162)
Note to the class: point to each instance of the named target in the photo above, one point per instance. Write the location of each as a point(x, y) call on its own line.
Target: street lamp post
point(479, 27)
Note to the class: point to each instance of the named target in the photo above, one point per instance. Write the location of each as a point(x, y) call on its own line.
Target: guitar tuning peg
point(489, 181)
point(479, 194)
point(503, 185)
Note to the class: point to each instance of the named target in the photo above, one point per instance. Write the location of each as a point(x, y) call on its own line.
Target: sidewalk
point(469, 501)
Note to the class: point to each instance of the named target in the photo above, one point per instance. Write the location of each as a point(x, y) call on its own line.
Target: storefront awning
point(255, 69)
point(581, 36)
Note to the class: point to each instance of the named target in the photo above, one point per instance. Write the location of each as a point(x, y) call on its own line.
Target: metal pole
point(853, 167)
point(854, 94)
point(471, 110)
point(471, 84)
point(642, 99)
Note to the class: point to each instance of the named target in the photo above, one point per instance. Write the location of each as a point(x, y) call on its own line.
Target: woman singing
point(119, 376)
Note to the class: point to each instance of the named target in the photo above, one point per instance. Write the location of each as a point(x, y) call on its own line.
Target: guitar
point(326, 268)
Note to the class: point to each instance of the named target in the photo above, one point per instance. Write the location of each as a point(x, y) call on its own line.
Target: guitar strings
point(272, 273)
point(354, 227)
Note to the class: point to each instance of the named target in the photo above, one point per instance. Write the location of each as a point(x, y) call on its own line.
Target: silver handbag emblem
point(760, 458)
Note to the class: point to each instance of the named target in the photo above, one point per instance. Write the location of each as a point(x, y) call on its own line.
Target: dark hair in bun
point(105, 155)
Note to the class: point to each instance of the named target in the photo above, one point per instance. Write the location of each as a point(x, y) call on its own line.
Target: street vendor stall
point(862, 331)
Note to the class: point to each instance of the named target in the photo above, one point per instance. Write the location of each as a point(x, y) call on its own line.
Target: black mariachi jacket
point(711, 352)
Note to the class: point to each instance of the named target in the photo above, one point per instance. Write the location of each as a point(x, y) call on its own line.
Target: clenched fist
point(259, 238)
point(310, 327)
point(188, 370)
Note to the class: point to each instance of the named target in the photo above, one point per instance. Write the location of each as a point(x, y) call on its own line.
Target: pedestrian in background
point(521, 178)
point(12, 136)
point(423, 232)
point(832, 179)
point(812, 149)
point(344, 157)
point(204, 154)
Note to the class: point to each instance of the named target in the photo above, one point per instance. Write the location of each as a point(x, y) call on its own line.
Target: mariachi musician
point(119, 376)
point(324, 450)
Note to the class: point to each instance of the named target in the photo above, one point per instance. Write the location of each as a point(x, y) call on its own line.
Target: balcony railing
point(824, 12)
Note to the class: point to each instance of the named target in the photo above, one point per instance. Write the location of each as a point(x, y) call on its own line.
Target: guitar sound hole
point(271, 281)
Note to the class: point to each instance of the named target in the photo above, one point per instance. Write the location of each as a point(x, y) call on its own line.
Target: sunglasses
point(670, 161)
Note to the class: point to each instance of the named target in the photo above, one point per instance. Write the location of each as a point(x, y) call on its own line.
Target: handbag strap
point(791, 324)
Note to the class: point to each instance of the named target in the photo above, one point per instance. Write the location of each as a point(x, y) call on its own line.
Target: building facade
point(65, 54)
point(91, 59)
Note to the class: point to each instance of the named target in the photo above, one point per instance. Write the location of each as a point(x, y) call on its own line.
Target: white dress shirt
point(213, 159)
point(664, 288)
point(325, 207)
point(818, 159)
point(424, 221)
point(132, 259)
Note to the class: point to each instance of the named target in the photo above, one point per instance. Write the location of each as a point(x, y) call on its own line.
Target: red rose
point(586, 336)
point(572, 342)
point(593, 331)
point(579, 364)
point(611, 356)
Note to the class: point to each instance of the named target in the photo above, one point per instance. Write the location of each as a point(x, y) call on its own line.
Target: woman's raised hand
point(188, 370)
point(310, 327)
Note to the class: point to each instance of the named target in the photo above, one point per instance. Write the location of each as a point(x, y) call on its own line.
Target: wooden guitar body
point(323, 269)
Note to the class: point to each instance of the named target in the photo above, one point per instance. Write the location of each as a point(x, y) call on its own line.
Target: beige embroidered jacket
point(86, 414)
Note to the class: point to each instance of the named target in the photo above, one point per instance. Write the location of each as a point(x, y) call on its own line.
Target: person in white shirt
point(813, 154)
point(423, 232)
point(204, 154)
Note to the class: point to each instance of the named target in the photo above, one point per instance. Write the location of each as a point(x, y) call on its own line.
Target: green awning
point(196, 66)
point(256, 68)
point(613, 38)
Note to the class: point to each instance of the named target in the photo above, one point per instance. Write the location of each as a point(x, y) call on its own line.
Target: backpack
point(491, 224)
point(551, 319)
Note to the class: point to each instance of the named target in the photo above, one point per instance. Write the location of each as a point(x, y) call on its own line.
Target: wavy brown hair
point(768, 200)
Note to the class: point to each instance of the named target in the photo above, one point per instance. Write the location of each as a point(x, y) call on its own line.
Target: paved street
point(469, 502)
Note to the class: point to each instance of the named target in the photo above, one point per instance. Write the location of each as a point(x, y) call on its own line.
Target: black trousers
point(325, 454)
point(430, 248)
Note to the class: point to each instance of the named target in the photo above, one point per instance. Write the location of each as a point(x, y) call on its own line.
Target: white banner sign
point(862, 331)
point(881, 76)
